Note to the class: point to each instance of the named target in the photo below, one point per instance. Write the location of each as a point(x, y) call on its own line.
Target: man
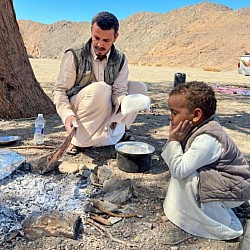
point(92, 82)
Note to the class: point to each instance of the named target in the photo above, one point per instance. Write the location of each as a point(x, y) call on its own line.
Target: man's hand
point(70, 122)
point(180, 132)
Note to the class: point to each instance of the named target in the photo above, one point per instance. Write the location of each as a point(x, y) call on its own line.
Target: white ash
point(9, 222)
point(24, 193)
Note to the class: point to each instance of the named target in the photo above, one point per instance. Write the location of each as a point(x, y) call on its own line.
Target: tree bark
point(21, 96)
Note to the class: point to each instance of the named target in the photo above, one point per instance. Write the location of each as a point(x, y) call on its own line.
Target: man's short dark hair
point(106, 21)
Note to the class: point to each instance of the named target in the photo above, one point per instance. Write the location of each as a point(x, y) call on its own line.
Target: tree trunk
point(21, 96)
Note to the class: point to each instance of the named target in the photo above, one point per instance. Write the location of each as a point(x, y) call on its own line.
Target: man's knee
point(137, 88)
point(98, 90)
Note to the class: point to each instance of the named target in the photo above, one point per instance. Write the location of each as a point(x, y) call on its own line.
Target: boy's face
point(102, 40)
point(178, 110)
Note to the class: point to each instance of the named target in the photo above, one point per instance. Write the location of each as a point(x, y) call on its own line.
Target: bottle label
point(39, 131)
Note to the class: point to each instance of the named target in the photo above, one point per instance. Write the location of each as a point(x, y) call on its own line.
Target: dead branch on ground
point(100, 219)
point(118, 215)
point(90, 221)
point(34, 147)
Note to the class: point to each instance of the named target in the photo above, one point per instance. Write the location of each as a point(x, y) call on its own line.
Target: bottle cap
point(40, 115)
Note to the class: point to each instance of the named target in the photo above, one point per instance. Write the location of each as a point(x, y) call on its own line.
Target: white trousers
point(95, 112)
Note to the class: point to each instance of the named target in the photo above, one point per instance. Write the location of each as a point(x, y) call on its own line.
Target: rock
point(85, 173)
point(90, 207)
point(117, 191)
point(53, 223)
point(114, 220)
point(103, 174)
point(174, 248)
point(69, 168)
point(93, 178)
point(164, 218)
point(39, 164)
point(105, 205)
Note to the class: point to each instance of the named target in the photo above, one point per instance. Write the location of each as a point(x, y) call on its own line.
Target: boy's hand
point(180, 132)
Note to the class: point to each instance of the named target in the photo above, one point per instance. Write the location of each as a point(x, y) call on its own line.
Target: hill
point(205, 35)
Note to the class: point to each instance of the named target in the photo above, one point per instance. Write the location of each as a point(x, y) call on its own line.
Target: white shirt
point(204, 150)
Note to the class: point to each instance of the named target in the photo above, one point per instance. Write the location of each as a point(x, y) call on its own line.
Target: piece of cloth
point(96, 105)
point(214, 220)
point(140, 102)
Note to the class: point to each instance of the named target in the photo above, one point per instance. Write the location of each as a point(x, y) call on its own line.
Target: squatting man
point(91, 85)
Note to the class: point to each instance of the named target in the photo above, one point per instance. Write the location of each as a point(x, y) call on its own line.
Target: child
point(209, 175)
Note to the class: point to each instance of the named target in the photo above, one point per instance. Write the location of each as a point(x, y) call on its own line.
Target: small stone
point(103, 174)
point(114, 220)
point(69, 168)
point(93, 178)
point(174, 248)
point(164, 218)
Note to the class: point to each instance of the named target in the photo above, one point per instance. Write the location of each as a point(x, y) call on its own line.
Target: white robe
point(214, 220)
point(95, 106)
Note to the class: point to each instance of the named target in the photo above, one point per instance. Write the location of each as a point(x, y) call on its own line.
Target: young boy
point(209, 175)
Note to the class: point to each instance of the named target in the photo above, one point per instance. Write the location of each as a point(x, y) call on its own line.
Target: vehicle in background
point(244, 64)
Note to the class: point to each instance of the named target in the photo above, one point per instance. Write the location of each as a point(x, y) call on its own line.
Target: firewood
point(118, 215)
point(101, 220)
point(33, 146)
point(100, 227)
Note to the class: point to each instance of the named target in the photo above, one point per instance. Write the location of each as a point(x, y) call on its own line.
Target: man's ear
point(198, 115)
point(116, 35)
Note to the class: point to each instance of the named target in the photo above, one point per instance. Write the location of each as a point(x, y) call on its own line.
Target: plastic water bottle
point(39, 130)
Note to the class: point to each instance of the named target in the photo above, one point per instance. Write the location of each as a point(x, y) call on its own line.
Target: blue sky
point(51, 11)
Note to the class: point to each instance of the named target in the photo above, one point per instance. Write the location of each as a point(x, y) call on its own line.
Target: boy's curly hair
point(106, 21)
point(198, 95)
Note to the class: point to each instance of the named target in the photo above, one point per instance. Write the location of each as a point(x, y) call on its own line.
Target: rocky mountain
point(205, 35)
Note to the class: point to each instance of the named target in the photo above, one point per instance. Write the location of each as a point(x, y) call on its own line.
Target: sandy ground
point(233, 109)
point(154, 231)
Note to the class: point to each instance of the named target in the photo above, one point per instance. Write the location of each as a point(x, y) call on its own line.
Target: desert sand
point(153, 231)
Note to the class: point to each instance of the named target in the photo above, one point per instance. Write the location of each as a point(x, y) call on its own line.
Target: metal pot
point(134, 157)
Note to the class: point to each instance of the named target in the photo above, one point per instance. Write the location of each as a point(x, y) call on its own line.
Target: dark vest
point(229, 177)
point(84, 67)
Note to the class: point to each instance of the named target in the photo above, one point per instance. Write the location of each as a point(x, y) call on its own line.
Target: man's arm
point(65, 81)
point(120, 86)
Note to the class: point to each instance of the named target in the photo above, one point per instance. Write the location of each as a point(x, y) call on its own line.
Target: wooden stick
point(90, 221)
point(117, 215)
point(96, 184)
point(100, 219)
point(37, 147)
point(94, 224)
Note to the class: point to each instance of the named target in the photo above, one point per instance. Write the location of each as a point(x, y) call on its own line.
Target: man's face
point(102, 39)
point(178, 110)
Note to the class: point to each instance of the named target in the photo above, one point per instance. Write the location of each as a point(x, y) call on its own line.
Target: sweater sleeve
point(65, 80)
point(204, 150)
point(120, 86)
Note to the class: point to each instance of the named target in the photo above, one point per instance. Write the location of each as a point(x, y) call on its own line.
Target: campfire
point(54, 204)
